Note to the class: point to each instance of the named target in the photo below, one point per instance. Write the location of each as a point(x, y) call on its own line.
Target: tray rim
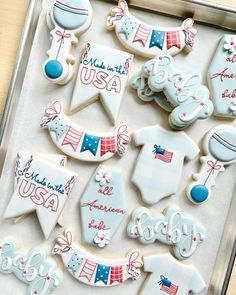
point(31, 20)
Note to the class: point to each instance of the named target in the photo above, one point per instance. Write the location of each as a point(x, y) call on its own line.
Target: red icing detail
point(184, 250)
point(202, 103)
point(194, 238)
point(142, 92)
point(24, 271)
point(48, 277)
point(138, 219)
point(180, 89)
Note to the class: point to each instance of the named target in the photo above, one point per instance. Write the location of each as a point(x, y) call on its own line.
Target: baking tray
point(227, 247)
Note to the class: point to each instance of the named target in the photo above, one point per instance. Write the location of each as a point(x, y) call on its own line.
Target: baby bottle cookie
point(102, 206)
point(219, 147)
point(67, 20)
point(222, 77)
point(94, 270)
point(146, 40)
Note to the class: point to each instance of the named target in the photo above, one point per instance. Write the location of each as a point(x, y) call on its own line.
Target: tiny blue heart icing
point(199, 193)
point(53, 69)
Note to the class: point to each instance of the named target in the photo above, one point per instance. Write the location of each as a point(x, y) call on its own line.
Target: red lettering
point(100, 226)
point(223, 75)
point(38, 197)
point(100, 81)
point(52, 202)
point(227, 94)
point(94, 205)
point(231, 59)
point(26, 188)
point(85, 77)
point(114, 84)
point(107, 191)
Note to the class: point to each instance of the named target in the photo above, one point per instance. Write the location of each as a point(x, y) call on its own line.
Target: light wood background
point(12, 15)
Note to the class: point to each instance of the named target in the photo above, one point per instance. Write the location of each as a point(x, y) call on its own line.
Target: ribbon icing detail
point(62, 36)
point(213, 166)
point(122, 139)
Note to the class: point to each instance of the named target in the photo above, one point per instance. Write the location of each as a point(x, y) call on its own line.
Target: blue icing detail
point(75, 263)
point(199, 193)
point(53, 69)
point(157, 39)
point(128, 27)
point(90, 143)
point(102, 273)
point(59, 127)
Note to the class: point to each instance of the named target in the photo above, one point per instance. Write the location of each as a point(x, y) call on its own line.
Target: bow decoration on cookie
point(51, 113)
point(134, 265)
point(122, 139)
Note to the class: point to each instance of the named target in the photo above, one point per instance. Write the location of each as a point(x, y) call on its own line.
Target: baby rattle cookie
point(219, 147)
point(169, 276)
point(42, 187)
point(93, 270)
point(67, 20)
point(79, 143)
point(222, 77)
point(158, 170)
point(33, 269)
point(185, 92)
point(103, 74)
point(140, 83)
point(146, 40)
point(102, 206)
point(171, 228)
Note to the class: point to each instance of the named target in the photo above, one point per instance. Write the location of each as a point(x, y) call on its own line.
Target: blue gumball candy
point(53, 69)
point(199, 193)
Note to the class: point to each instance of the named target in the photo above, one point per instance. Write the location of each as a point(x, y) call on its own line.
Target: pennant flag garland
point(116, 274)
point(142, 34)
point(75, 263)
point(157, 39)
point(90, 143)
point(73, 138)
point(102, 273)
point(108, 144)
point(59, 127)
point(88, 269)
point(173, 39)
point(128, 27)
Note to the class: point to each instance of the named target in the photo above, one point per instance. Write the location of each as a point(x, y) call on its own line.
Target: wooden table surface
point(12, 14)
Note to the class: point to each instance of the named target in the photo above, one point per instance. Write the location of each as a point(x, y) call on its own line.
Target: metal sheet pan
point(227, 249)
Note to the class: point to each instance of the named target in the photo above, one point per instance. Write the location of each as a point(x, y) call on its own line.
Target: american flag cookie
point(67, 20)
point(82, 144)
point(147, 40)
point(160, 161)
point(172, 227)
point(168, 276)
point(94, 270)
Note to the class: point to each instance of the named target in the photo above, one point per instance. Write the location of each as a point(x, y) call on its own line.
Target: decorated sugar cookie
point(82, 144)
point(103, 74)
point(147, 40)
point(222, 77)
point(102, 206)
point(185, 92)
point(169, 276)
point(158, 170)
point(93, 270)
point(219, 147)
point(22, 159)
point(33, 269)
point(171, 228)
point(42, 187)
point(67, 20)
point(140, 83)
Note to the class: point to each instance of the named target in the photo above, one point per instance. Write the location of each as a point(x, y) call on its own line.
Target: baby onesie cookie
point(158, 170)
point(93, 270)
point(147, 40)
point(102, 206)
point(67, 20)
point(79, 143)
point(222, 77)
point(171, 228)
point(33, 269)
point(140, 83)
point(184, 91)
point(102, 74)
point(219, 147)
point(169, 276)
point(42, 187)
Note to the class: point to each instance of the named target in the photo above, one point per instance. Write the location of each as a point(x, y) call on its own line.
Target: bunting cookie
point(171, 228)
point(102, 206)
point(160, 161)
point(184, 91)
point(42, 187)
point(33, 269)
point(169, 276)
point(67, 20)
point(102, 74)
point(94, 270)
point(147, 40)
point(222, 77)
point(82, 144)
point(219, 147)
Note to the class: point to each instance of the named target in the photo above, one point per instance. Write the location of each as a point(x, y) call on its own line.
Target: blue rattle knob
point(199, 193)
point(53, 69)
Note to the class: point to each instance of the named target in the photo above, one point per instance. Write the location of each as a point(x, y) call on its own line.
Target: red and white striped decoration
point(172, 290)
point(73, 138)
point(142, 34)
point(88, 270)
